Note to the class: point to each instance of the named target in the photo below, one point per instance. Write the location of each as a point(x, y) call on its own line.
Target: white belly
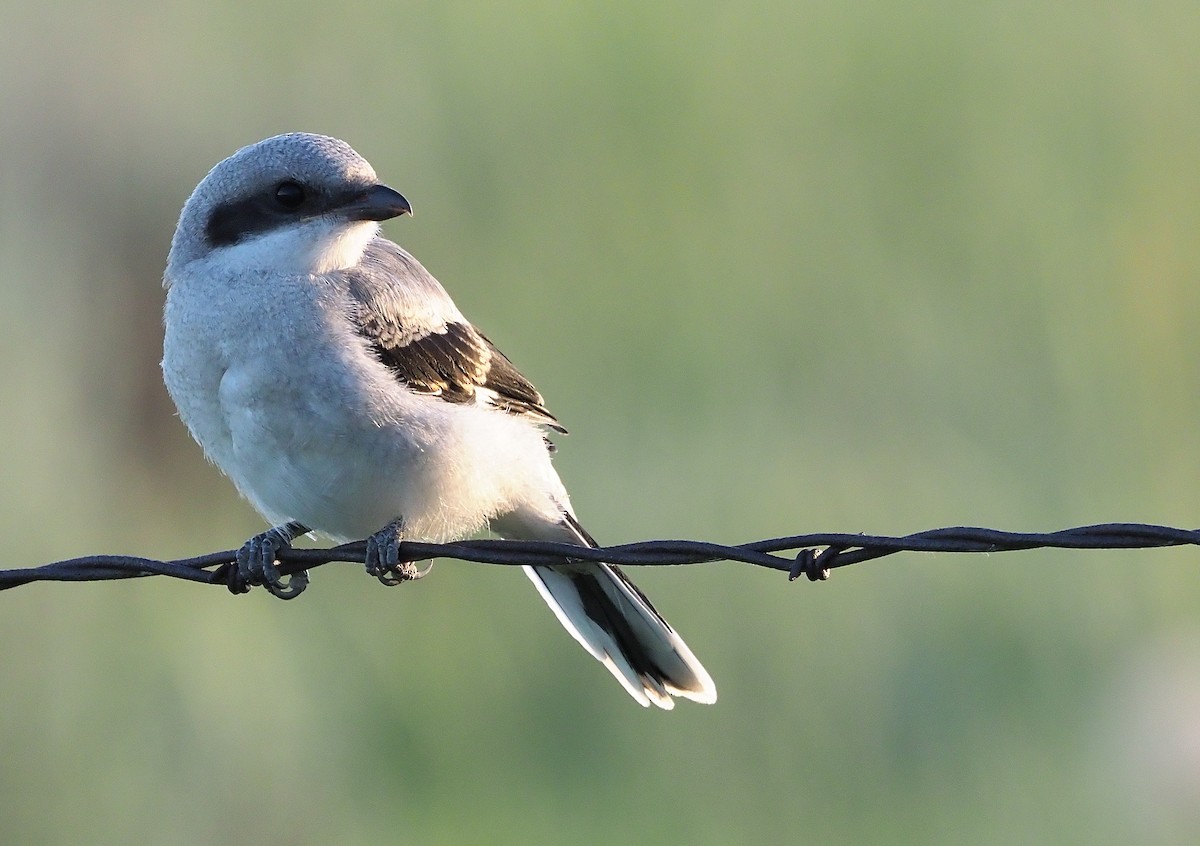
point(324, 435)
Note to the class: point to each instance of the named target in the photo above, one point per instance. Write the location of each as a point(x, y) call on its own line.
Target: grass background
point(780, 267)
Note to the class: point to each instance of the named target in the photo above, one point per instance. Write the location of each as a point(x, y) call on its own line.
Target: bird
point(332, 378)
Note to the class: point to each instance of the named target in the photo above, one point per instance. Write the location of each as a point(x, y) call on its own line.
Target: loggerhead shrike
point(331, 377)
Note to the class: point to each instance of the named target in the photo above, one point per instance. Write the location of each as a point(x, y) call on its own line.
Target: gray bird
point(332, 378)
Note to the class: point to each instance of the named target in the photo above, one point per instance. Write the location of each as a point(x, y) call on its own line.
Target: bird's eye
point(289, 194)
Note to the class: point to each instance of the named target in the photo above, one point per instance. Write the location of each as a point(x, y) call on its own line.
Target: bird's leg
point(256, 562)
point(383, 556)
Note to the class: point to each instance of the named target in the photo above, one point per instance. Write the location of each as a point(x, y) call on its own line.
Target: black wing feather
point(450, 360)
point(455, 363)
point(442, 363)
point(514, 393)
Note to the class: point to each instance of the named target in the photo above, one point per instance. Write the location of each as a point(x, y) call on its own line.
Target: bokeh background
point(781, 267)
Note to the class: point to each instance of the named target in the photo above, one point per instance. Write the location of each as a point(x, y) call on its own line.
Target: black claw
point(295, 586)
point(404, 571)
point(255, 563)
point(383, 557)
point(235, 581)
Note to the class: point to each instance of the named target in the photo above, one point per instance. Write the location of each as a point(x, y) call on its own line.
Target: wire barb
point(837, 550)
point(810, 564)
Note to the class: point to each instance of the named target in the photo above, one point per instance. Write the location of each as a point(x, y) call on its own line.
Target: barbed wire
point(812, 555)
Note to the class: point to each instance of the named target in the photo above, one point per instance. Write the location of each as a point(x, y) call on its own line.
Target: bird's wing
point(416, 330)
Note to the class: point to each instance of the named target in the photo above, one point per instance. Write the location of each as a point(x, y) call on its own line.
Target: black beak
point(378, 202)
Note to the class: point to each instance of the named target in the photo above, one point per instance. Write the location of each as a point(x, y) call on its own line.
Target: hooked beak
point(378, 202)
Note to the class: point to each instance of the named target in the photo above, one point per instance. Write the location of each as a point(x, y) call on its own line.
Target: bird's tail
point(615, 622)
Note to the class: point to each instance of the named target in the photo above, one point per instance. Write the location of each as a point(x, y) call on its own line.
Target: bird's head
point(295, 203)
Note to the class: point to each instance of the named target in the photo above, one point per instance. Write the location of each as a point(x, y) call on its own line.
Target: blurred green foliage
point(780, 267)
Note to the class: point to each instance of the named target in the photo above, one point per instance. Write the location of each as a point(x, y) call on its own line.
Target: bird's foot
point(383, 557)
point(256, 563)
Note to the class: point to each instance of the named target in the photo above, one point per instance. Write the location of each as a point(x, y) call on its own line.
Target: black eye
point(289, 194)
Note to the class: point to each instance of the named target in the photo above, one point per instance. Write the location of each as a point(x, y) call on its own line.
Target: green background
point(780, 267)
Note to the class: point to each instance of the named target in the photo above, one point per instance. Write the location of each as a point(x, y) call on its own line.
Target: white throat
point(313, 247)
